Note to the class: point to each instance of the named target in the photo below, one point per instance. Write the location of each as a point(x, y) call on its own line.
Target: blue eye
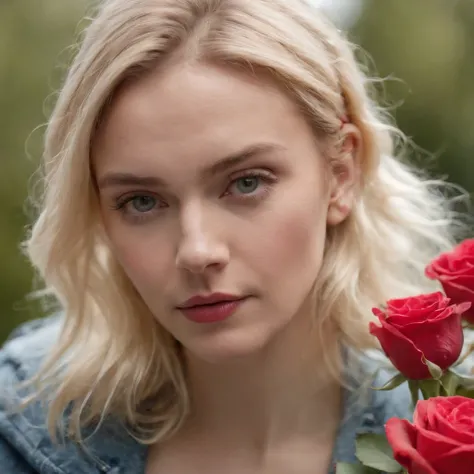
point(252, 186)
point(139, 208)
point(137, 204)
point(247, 184)
point(143, 203)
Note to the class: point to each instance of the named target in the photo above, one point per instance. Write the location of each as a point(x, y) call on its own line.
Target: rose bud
point(419, 328)
point(455, 271)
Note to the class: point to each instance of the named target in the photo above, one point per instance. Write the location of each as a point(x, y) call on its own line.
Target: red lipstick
point(210, 308)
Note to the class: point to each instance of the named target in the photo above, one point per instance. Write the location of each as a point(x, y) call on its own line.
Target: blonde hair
point(112, 357)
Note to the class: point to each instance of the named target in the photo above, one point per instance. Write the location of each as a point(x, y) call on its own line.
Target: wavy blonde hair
point(112, 357)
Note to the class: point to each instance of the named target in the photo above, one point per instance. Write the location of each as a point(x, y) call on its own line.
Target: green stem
point(430, 388)
point(414, 390)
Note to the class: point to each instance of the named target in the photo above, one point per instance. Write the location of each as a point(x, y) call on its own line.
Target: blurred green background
point(427, 44)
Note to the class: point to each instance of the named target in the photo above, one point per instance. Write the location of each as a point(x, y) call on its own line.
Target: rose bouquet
point(423, 337)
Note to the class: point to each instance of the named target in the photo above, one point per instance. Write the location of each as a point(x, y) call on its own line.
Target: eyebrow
point(117, 179)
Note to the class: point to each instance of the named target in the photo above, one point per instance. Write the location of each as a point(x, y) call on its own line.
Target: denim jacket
point(26, 447)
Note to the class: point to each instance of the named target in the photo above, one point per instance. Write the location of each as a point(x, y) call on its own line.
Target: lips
point(211, 309)
point(214, 298)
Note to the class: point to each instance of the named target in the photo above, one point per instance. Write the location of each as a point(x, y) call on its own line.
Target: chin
point(227, 345)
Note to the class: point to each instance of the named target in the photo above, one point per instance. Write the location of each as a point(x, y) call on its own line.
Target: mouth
point(211, 310)
point(209, 300)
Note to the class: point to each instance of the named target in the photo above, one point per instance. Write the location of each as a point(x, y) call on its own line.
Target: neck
point(281, 394)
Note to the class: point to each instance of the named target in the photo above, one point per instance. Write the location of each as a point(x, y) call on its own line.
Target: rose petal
point(450, 268)
point(463, 285)
point(439, 415)
point(439, 266)
point(401, 351)
point(460, 294)
point(432, 444)
point(421, 317)
point(464, 276)
point(455, 272)
point(402, 435)
point(416, 309)
point(459, 461)
point(440, 341)
point(416, 301)
point(448, 425)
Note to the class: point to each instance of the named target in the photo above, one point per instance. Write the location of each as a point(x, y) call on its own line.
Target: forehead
point(198, 110)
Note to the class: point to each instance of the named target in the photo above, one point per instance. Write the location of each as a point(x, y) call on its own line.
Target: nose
point(200, 247)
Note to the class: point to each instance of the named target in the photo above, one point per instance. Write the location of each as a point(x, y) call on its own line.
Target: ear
point(345, 174)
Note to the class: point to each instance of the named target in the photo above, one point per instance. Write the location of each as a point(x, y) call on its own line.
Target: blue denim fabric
point(26, 448)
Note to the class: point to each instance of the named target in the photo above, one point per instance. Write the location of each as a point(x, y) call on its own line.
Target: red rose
point(440, 440)
point(418, 328)
point(455, 271)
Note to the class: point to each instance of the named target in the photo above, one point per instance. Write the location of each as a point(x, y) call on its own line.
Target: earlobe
point(337, 213)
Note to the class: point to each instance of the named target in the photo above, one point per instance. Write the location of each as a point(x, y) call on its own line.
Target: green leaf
point(435, 371)
point(346, 468)
point(373, 450)
point(394, 382)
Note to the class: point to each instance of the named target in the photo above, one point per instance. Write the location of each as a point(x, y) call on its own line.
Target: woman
point(222, 208)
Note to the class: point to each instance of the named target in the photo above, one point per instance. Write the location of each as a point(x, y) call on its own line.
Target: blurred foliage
point(35, 37)
point(425, 43)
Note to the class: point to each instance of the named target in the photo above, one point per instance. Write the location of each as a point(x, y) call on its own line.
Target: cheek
point(301, 241)
point(290, 244)
point(142, 255)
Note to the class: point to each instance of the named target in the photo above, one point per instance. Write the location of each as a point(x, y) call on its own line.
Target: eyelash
point(266, 181)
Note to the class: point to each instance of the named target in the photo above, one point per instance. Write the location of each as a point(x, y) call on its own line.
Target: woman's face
point(211, 181)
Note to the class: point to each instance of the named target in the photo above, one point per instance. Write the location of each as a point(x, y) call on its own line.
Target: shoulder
point(20, 357)
point(366, 409)
point(23, 353)
point(380, 405)
point(391, 403)
point(24, 437)
point(28, 345)
point(11, 460)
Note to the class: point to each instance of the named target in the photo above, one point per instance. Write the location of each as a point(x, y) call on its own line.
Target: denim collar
point(111, 449)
